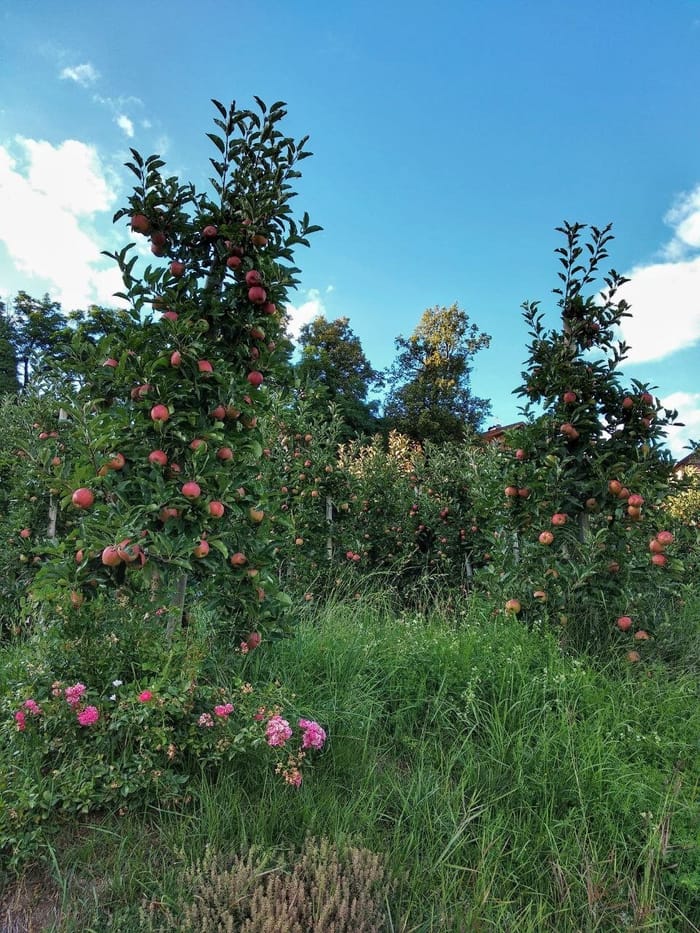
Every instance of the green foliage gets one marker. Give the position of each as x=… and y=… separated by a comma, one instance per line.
x=430, y=397
x=8, y=354
x=332, y=360
x=39, y=326
x=503, y=784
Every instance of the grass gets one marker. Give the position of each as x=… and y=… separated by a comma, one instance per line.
x=506, y=785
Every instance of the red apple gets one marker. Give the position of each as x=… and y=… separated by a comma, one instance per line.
x=201, y=549
x=224, y=453
x=210, y=232
x=110, y=557
x=175, y=358
x=627, y=403
x=253, y=640
x=269, y=308
x=615, y=487
x=117, y=462
x=216, y=508
x=511, y=491
x=655, y=546
x=257, y=295
x=83, y=498
x=111, y=362
x=641, y=635
x=177, y=268
x=624, y=623
x=256, y=515
x=635, y=500
x=204, y=366
x=255, y=378
x=160, y=413
x=233, y=262
x=546, y=537
x=191, y=490
x=25, y=533
x=140, y=223
x=559, y=518
x=219, y=413
x=665, y=538
x=169, y=315
x=253, y=277
x=513, y=606
x=659, y=559
x=158, y=457
x=520, y=454
x=238, y=559
x=569, y=397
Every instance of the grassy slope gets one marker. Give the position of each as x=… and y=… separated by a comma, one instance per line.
x=510, y=787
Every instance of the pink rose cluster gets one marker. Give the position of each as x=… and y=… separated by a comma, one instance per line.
x=314, y=736
x=277, y=732
x=74, y=694
x=88, y=716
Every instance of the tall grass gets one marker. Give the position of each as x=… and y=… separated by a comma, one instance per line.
x=507, y=785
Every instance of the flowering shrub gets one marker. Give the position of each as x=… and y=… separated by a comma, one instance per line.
x=69, y=747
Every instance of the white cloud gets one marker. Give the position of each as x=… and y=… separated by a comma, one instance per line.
x=49, y=198
x=85, y=75
x=665, y=295
x=688, y=406
x=125, y=124
x=684, y=216
x=665, y=308
x=303, y=313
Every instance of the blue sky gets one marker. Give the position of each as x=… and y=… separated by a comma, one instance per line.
x=450, y=140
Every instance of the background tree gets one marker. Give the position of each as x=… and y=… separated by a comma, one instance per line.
x=430, y=396
x=39, y=327
x=332, y=357
x=8, y=354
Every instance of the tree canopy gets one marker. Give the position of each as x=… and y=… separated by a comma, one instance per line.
x=430, y=395
x=332, y=358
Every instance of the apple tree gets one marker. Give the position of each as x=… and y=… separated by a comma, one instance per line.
x=167, y=498
x=584, y=479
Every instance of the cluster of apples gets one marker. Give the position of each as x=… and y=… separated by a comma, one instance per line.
x=634, y=500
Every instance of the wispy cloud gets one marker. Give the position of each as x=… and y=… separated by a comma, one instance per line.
x=125, y=124
x=665, y=295
x=85, y=75
x=50, y=197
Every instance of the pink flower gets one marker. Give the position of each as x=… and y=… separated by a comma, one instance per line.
x=225, y=710
x=277, y=731
x=88, y=716
x=314, y=736
x=33, y=707
x=145, y=696
x=74, y=694
x=260, y=715
x=21, y=720
x=206, y=721
x=293, y=777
